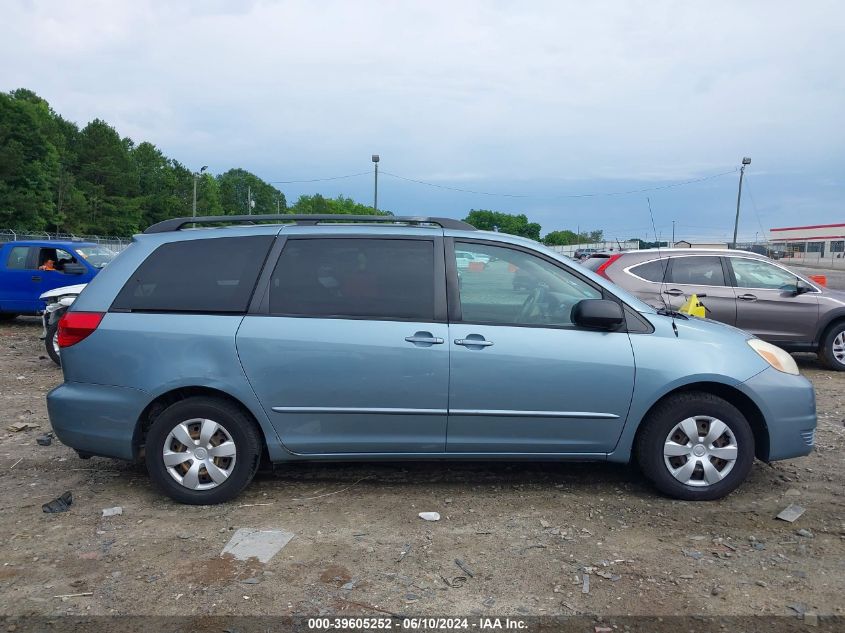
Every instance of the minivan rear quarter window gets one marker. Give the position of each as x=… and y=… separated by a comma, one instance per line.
x=205, y=275
x=356, y=278
x=655, y=270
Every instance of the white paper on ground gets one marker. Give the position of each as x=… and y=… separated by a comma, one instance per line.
x=247, y=543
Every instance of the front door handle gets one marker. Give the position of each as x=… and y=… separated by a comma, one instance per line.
x=426, y=339
x=473, y=342
x=36, y=278
x=674, y=292
x=747, y=297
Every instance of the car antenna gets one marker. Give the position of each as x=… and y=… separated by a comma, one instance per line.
x=666, y=308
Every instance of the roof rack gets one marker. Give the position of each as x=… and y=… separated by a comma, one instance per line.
x=175, y=224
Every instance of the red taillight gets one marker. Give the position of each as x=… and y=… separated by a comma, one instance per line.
x=75, y=326
x=607, y=263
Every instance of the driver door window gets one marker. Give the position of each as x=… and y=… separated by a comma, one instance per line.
x=752, y=273
x=505, y=286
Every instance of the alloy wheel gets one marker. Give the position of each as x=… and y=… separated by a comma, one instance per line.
x=838, y=348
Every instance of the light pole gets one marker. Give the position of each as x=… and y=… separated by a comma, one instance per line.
x=745, y=161
x=673, y=233
x=375, y=191
x=197, y=174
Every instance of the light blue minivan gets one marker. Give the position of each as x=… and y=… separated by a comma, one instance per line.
x=206, y=351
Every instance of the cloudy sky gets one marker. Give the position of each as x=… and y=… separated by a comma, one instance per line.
x=533, y=105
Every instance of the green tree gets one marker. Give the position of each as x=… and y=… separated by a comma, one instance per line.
x=504, y=223
x=560, y=238
x=29, y=164
x=236, y=186
x=317, y=204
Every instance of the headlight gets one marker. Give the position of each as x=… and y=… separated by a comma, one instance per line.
x=775, y=356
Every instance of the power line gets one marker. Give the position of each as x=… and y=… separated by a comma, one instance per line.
x=288, y=182
x=563, y=196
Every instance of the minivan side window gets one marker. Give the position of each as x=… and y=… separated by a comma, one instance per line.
x=753, y=273
x=17, y=257
x=214, y=275
x=698, y=271
x=355, y=278
x=516, y=288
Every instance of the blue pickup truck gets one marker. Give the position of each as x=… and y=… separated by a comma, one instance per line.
x=30, y=268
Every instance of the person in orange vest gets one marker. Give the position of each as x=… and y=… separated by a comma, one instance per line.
x=48, y=265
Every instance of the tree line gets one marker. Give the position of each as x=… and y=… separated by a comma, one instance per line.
x=57, y=177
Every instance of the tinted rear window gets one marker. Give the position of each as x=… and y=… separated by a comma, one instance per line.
x=702, y=271
x=376, y=278
x=654, y=270
x=211, y=275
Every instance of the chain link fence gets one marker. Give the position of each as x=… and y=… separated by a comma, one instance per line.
x=111, y=242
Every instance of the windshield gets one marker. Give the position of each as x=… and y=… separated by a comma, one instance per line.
x=97, y=256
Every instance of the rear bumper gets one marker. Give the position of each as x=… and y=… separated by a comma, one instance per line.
x=788, y=404
x=96, y=419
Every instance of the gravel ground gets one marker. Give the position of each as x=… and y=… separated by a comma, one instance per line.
x=526, y=532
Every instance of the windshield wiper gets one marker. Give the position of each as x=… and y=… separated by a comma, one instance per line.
x=673, y=313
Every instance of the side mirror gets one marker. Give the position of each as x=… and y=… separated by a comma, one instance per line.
x=74, y=269
x=601, y=314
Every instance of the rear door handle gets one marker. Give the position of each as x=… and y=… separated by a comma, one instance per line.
x=674, y=292
x=424, y=338
x=747, y=297
x=473, y=342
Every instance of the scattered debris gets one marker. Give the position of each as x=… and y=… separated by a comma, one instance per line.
x=405, y=550
x=545, y=524
x=430, y=516
x=329, y=494
x=463, y=566
x=16, y=463
x=456, y=582
x=691, y=553
x=247, y=543
x=59, y=504
x=811, y=618
x=603, y=629
x=804, y=532
x=790, y=513
x=111, y=512
x=798, y=607
x=609, y=576
x=528, y=547
x=585, y=587
x=349, y=586
x=17, y=427
x=251, y=581
x=44, y=440
x=488, y=602
x=75, y=595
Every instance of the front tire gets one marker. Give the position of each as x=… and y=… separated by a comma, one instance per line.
x=8, y=316
x=832, y=350
x=51, y=343
x=203, y=450
x=695, y=446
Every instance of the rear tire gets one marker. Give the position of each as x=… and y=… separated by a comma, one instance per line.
x=832, y=350
x=691, y=465
x=51, y=343
x=194, y=474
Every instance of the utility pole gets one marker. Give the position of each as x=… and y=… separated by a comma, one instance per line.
x=673, y=233
x=249, y=200
x=745, y=161
x=196, y=176
x=375, y=191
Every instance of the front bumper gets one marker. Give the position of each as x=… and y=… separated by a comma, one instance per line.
x=96, y=419
x=788, y=404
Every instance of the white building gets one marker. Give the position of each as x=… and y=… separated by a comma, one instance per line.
x=817, y=241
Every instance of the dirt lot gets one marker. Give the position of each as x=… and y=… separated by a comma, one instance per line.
x=526, y=531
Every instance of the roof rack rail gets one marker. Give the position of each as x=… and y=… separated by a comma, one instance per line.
x=175, y=224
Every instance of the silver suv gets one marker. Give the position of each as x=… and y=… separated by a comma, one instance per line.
x=739, y=288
